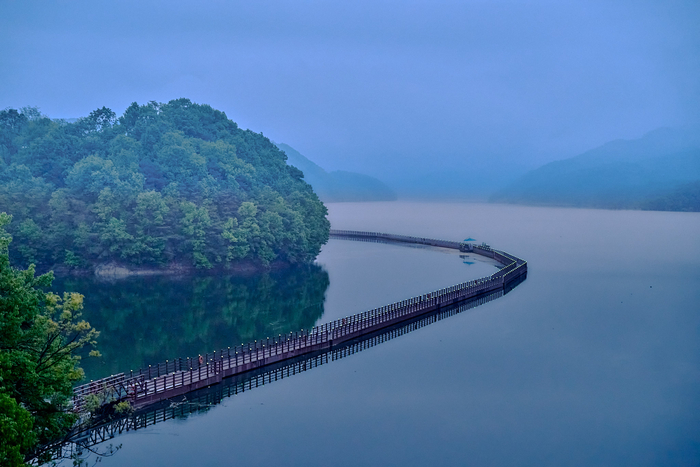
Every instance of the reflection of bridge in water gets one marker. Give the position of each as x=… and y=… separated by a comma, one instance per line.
x=233, y=370
x=203, y=399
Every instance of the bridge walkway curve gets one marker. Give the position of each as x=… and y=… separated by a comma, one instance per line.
x=176, y=377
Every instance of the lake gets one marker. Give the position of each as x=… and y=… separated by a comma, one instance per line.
x=593, y=360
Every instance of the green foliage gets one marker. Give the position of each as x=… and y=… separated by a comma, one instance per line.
x=92, y=402
x=123, y=407
x=95, y=401
x=163, y=183
x=39, y=335
x=16, y=434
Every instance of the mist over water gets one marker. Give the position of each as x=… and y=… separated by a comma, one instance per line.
x=593, y=360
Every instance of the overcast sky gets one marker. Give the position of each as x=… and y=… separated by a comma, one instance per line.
x=394, y=89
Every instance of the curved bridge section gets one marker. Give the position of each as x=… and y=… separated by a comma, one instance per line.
x=201, y=400
x=172, y=378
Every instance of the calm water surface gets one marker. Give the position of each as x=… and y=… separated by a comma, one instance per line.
x=593, y=360
x=146, y=320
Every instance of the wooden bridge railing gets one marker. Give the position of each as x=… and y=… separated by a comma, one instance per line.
x=87, y=436
x=173, y=377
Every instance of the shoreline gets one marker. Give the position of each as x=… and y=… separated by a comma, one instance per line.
x=116, y=271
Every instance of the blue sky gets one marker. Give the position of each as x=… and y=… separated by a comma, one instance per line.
x=473, y=90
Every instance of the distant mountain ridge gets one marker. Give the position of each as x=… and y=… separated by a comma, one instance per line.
x=339, y=185
x=647, y=173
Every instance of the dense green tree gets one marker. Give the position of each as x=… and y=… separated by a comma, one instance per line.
x=39, y=335
x=162, y=184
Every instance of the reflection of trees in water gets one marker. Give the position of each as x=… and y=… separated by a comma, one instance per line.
x=202, y=400
x=145, y=320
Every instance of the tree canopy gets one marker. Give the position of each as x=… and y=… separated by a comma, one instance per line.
x=176, y=183
x=39, y=335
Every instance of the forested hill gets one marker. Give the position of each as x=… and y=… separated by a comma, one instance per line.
x=164, y=185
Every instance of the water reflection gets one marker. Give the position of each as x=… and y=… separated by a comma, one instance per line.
x=150, y=319
x=468, y=260
x=202, y=400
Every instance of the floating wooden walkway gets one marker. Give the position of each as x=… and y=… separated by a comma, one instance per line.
x=173, y=378
x=203, y=399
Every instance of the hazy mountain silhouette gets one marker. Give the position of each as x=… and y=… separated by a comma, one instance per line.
x=647, y=173
x=338, y=185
